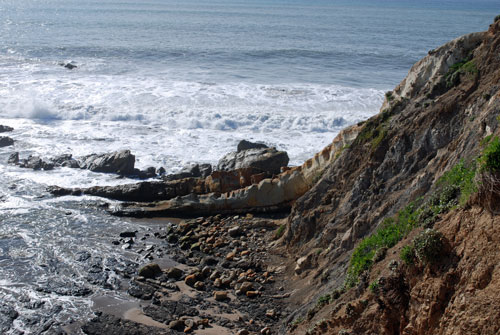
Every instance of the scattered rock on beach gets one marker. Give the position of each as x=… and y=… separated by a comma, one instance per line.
x=174, y=273
x=220, y=295
x=150, y=270
x=190, y=280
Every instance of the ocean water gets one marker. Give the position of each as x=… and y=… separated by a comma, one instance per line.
x=179, y=82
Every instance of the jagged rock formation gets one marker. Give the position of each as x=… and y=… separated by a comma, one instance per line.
x=236, y=191
x=437, y=116
x=119, y=162
x=252, y=194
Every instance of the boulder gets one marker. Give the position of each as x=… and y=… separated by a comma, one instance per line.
x=262, y=159
x=303, y=263
x=245, y=145
x=4, y=129
x=5, y=141
x=66, y=160
x=191, y=171
x=149, y=172
x=150, y=270
x=121, y=162
x=235, y=231
x=176, y=325
x=174, y=273
x=69, y=65
x=35, y=163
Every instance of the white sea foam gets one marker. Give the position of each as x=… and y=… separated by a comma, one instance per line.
x=167, y=122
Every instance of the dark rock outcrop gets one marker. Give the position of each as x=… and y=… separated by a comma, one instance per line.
x=69, y=65
x=66, y=160
x=33, y=162
x=6, y=141
x=191, y=171
x=146, y=191
x=267, y=160
x=121, y=162
x=4, y=129
x=13, y=158
x=245, y=145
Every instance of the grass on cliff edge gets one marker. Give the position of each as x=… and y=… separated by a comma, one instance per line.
x=452, y=189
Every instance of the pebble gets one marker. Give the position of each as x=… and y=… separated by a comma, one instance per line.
x=234, y=232
x=265, y=331
x=245, y=287
x=252, y=294
x=220, y=295
x=199, y=285
x=190, y=280
x=230, y=255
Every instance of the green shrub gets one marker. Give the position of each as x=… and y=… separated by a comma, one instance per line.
x=428, y=246
x=279, y=232
x=407, y=254
x=461, y=176
x=490, y=158
x=485, y=141
x=496, y=18
x=389, y=96
x=324, y=300
x=452, y=189
x=390, y=232
x=466, y=66
x=374, y=286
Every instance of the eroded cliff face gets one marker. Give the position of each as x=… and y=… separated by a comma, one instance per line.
x=436, y=117
x=400, y=152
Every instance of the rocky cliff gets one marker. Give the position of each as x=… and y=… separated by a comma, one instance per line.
x=442, y=115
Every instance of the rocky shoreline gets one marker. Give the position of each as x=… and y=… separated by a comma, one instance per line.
x=226, y=281
x=218, y=274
